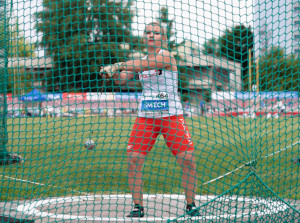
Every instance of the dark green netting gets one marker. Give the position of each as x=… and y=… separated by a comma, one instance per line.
x=234, y=67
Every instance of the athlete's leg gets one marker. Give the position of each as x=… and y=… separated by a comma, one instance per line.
x=135, y=175
x=141, y=141
x=189, y=174
x=179, y=141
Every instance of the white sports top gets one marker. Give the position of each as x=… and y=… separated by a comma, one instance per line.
x=160, y=93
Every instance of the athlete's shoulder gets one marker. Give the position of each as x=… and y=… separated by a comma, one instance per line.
x=166, y=55
x=164, y=52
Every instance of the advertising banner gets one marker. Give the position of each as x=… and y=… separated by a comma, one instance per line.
x=99, y=97
x=127, y=96
x=254, y=95
x=55, y=96
x=74, y=96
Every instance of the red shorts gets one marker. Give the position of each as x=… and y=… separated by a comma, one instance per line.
x=146, y=130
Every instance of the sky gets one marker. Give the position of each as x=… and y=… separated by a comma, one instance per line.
x=276, y=24
x=196, y=20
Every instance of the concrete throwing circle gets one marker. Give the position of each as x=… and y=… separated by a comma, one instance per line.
x=158, y=207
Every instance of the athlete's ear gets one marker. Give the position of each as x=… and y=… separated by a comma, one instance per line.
x=144, y=41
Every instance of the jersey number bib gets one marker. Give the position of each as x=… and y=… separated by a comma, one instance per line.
x=155, y=102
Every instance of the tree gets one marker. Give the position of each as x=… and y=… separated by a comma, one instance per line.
x=81, y=36
x=18, y=80
x=234, y=44
x=18, y=45
x=211, y=47
x=278, y=71
x=168, y=24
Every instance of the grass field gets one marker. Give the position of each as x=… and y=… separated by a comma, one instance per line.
x=57, y=164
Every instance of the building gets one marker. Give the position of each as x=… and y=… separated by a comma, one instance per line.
x=276, y=23
x=37, y=67
x=296, y=27
x=207, y=72
x=204, y=72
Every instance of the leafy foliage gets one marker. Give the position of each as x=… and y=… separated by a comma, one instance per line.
x=278, y=71
x=234, y=44
x=14, y=42
x=14, y=45
x=18, y=45
x=211, y=46
x=19, y=79
x=164, y=19
x=81, y=36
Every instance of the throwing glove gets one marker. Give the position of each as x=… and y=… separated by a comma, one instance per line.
x=108, y=71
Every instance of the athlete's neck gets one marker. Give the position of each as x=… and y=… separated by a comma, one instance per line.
x=153, y=50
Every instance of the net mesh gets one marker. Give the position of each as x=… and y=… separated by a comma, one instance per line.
x=3, y=89
x=234, y=67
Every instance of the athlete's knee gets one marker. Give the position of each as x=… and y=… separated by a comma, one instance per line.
x=187, y=160
x=135, y=161
x=189, y=163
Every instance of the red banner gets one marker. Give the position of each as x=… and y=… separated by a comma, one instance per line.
x=74, y=96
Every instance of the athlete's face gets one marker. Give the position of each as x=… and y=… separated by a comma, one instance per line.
x=154, y=36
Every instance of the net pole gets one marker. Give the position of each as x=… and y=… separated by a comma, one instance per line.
x=3, y=83
x=257, y=75
x=250, y=71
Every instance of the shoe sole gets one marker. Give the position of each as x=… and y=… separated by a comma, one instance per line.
x=135, y=216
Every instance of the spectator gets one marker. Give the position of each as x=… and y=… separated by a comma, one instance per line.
x=202, y=108
x=280, y=107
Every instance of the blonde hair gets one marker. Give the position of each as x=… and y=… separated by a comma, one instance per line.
x=162, y=31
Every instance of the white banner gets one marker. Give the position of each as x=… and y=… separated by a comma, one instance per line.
x=100, y=97
x=220, y=95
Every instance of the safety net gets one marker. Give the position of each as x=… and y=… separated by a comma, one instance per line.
x=149, y=111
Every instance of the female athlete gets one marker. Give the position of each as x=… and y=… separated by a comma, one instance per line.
x=160, y=112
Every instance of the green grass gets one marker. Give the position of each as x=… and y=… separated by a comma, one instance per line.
x=55, y=156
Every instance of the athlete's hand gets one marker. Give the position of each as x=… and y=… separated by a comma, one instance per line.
x=108, y=71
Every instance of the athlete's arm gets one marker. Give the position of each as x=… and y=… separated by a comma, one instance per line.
x=115, y=71
x=123, y=77
x=160, y=61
